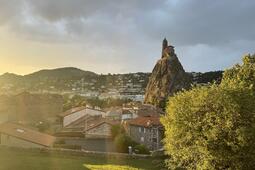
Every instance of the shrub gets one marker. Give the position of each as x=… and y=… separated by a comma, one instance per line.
x=141, y=149
x=122, y=142
x=43, y=126
x=213, y=127
x=159, y=154
x=116, y=130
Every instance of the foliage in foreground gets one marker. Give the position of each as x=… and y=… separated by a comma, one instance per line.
x=213, y=127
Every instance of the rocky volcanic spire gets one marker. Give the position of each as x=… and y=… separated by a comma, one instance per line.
x=168, y=77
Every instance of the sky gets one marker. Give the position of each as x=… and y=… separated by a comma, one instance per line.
x=120, y=36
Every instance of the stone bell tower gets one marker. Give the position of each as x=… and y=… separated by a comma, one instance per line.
x=164, y=46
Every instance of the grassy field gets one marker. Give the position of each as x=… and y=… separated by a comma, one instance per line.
x=24, y=160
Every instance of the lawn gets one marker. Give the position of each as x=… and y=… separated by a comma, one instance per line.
x=24, y=160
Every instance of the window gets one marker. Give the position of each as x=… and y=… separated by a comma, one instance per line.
x=144, y=130
x=140, y=129
x=142, y=139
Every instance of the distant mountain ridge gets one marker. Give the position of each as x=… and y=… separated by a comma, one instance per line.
x=58, y=73
x=64, y=72
x=10, y=76
x=61, y=73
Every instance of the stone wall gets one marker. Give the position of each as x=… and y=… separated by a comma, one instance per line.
x=93, y=144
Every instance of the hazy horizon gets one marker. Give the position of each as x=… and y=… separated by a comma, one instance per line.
x=123, y=36
x=92, y=71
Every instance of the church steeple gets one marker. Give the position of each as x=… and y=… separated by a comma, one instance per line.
x=164, y=45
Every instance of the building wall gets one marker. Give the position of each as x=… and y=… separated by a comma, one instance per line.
x=101, y=130
x=7, y=140
x=151, y=137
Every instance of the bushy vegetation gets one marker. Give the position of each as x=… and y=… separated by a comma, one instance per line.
x=116, y=130
x=122, y=142
x=241, y=76
x=43, y=126
x=141, y=149
x=213, y=127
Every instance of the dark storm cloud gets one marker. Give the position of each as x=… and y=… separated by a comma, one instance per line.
x=55, y=10
x=9, y=9
x=209, y=22
x=201, y=30
x=186, y=22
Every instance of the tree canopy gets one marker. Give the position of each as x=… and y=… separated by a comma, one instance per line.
x=213, y=127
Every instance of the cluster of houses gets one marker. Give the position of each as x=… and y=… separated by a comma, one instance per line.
x=141, y=123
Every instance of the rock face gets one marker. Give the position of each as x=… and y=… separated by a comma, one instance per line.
x=168, y=77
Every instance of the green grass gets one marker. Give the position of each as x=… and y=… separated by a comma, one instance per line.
x=110, y=167
x=25, y=160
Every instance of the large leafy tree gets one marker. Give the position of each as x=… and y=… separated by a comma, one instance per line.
x=242, y=76
x=213, y=127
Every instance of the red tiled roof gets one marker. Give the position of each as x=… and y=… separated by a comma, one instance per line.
x=145, y=121
x=27, y=134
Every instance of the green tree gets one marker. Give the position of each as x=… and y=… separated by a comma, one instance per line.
x=141, y=149
x=213, y=127
x=117, y=130
x=122, y=142
x=242, y=76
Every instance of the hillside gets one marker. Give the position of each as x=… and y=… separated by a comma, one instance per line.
x=66, y=73
x=74, y=80
x=26, y=107
x=10, y=78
